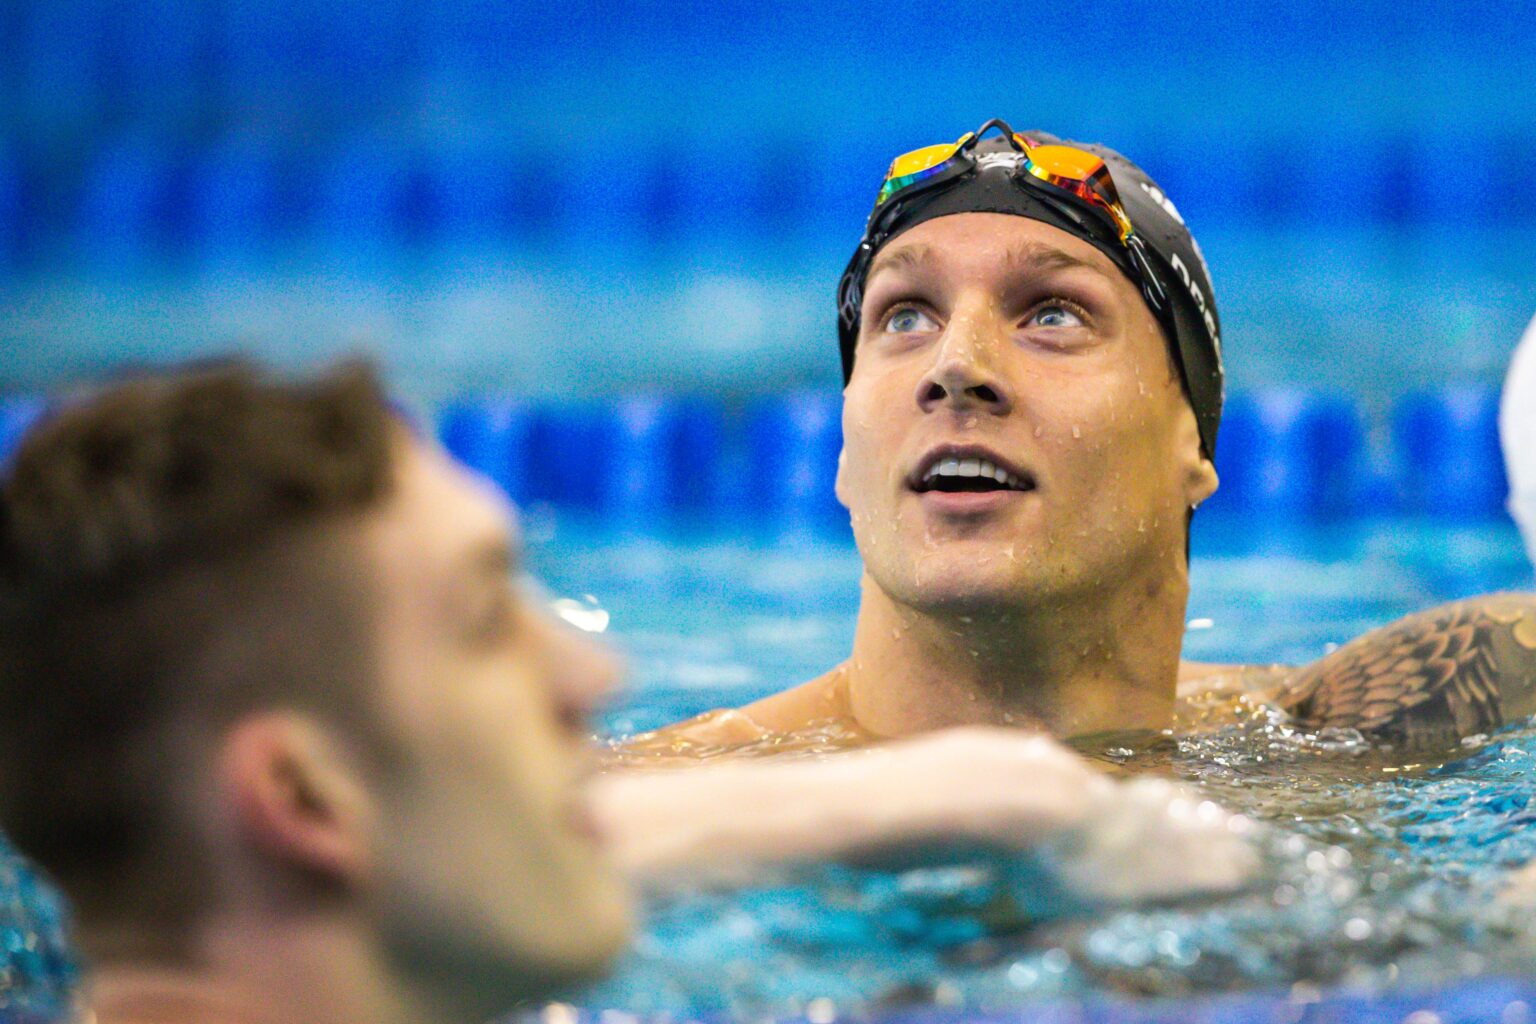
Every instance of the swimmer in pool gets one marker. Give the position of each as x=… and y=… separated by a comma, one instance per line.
x=1033, y=385
x=275, y=722
x=278, y=716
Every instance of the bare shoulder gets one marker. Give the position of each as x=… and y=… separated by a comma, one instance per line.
x=822, y=699
x=725, y=729
x=701, y=736
x=1207, y=679
x=1456, y=670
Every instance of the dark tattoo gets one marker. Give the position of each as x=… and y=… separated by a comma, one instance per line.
x=1430, y=679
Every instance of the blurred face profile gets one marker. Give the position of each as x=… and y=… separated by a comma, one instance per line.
x=1014, y=427
x=490, y=868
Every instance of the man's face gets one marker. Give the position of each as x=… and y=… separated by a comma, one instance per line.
x=996, y=346
x=490, y=864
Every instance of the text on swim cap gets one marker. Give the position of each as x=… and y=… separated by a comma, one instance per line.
x=1199, y=296
x=1157, y=196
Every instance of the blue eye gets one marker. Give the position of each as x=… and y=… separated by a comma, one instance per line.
x=1056, y=316
x=908, y=320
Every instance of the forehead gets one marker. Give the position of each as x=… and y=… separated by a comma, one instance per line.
x=438, y=512
x=991, y=245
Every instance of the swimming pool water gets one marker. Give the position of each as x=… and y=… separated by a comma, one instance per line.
x=708, y=618
x=1380, y=880
x=1381, y=872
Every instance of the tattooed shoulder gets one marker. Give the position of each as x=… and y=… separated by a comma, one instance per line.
x=1453, y=671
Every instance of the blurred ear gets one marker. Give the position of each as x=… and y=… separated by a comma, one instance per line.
x=297, y=798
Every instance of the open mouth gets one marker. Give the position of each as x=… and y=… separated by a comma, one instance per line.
x=953, y=474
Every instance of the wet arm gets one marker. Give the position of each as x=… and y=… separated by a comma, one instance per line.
x=720, y=816
x=992, y=787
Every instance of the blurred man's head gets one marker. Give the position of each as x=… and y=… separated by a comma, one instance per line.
x=263, y=656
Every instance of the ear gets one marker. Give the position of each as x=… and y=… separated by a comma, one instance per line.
x=1199, y=472
x=1200, y=482
x=296, y=798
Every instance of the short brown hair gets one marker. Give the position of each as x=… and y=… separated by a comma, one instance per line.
x=171, y=554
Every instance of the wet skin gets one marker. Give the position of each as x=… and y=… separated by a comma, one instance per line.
x=1055, y=598
x=491, y=851
x=1420, y=683
x=458, y=868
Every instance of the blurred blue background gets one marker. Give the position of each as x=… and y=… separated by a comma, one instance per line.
x=581, y=198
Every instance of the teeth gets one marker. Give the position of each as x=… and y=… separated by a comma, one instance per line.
x=973, y=467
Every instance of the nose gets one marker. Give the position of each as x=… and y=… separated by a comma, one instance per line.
x=964, y=374
x=582, y=671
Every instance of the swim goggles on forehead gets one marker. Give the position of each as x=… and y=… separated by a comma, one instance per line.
x=1071, y=181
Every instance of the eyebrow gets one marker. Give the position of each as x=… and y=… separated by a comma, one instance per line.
x=1039, y=257
x=910, y=257
x=1032, y=257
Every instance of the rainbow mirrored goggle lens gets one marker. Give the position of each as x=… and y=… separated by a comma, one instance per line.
x=919, y=165
x=1079, y=172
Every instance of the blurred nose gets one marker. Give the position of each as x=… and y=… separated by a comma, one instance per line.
x=965, y=374
x=583, y=671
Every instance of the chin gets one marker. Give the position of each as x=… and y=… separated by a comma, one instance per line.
x=970, y=575
x=574, y=947
x=593, y=927
x=495, y=958
x=953, y=595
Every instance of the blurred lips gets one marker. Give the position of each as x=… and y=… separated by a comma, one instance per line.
x=583, y=822
x=579, y=815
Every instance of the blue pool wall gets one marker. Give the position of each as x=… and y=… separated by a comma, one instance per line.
x=1283, y=454
x=232, y=129
x=589, y=198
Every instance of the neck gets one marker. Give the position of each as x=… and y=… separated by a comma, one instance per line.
x=1101, y=663
x=265, y=971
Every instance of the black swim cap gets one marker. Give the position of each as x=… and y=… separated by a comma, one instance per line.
x=1189, y=318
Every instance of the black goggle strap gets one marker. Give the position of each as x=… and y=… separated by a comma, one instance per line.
x=850, y=297
x=1151, y=283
